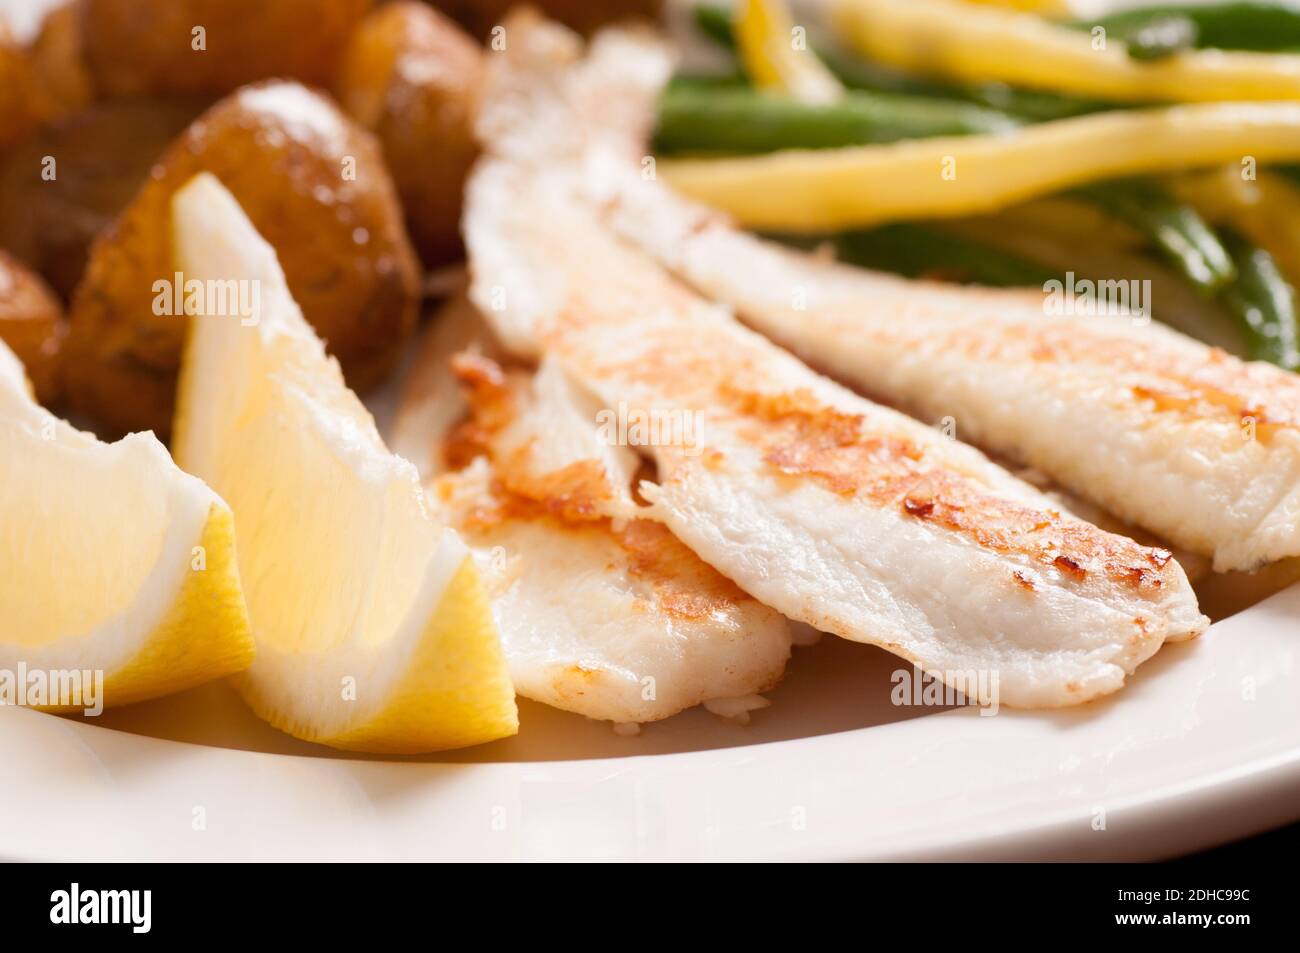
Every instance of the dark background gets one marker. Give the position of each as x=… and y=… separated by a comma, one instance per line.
x=1273, y=846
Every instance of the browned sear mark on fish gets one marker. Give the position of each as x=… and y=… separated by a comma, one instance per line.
x=686, y=586
x=574, y=493
x=801, y=408
x=683, y=585
x=572, y=681
x=1213, y=386
x=487, y=389
x=1194, y=402
x=918, y=507
x=1023, y=580
x=491, y=408
x=803, y=436
x=1070, y=567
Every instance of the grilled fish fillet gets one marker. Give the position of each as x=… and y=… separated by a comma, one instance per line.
x=600, y=612
x=840, y=513
x=1184, y=440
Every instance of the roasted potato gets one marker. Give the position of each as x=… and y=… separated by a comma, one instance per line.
x=18, y=99
x=59, y=64
x=410, y=75
x=315, y=185
x=196, y=47
x=32, y=324
x=44, y=80
x=62, y=186
x=480, y=16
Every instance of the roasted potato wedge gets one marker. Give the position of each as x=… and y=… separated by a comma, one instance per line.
x=196, y=47
x=62, y=186
x=410, y=75
x=32, y=324
x=315, y=185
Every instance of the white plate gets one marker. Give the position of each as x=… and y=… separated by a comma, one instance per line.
x=1203, y=746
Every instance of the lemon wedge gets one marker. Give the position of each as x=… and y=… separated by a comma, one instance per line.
x=118, y=567
x=373, y=631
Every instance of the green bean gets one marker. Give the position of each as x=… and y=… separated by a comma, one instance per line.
x=857, y=73
x=1149, y=36
x=1264, y=304
x=1179, y=233
x=721, y=117
x=714, y=21
x=928, y=252
x=1160, y=37
x=1232, y=25
x=725, y=119
x=1031, y=105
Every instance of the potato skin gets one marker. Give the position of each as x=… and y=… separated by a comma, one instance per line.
x=44, y=80
x=102, y=155
x=411, y=76
x=59, y=65
x=32, y=324
x=19, y=106
x=135, y=47
x=315, y=186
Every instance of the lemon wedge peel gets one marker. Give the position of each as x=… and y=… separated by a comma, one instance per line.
x=407, y=658
x=185, y=624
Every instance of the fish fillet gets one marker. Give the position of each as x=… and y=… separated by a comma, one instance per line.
x=840, y=513
x=600, y=612
x=1168, y=434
